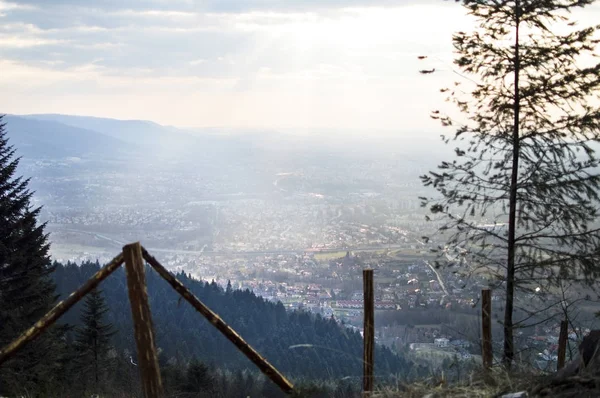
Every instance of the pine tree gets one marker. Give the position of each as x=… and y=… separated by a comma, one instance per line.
x=92, y=340
x=26, y=289
x=199, y=378
x=521, y=198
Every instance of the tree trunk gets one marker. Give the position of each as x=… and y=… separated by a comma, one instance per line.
x=512, y=215
x=96, y=364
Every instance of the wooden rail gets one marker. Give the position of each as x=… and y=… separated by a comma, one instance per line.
x=269, y=370
x=47, y=320
x=133, y=255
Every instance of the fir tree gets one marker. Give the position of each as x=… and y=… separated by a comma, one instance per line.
x=199, y=379
x=521, y=198
x=92, y=340
x=26, y=288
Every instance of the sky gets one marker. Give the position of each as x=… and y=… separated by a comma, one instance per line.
x=295, y=64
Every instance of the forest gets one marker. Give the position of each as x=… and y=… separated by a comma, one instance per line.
x=303, y=346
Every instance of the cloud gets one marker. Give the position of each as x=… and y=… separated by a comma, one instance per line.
x=8, y=6
x=229, y=6
x=20, y=42
x=246, y=63
x=286, y=62
x=99, y=79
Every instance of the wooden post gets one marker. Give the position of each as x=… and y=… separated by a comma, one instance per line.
x=47, y=320
x=142, y=321
x=486, y=328
x=269, y=370
x=562, y=344
x=368, y=331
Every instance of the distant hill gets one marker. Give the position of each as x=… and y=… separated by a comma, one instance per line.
x=239, y=159
x=327, y=349
x=366, y=144
x=141, y=135
x=133, y=131
x=43, y=139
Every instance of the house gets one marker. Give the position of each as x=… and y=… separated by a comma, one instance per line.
x=385, y=305
x=353, y=304
x=461, y=344
x=357, y=296
x=441, y=342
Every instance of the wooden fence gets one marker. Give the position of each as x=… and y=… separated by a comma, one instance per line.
x=486, y=334
x=133, y=255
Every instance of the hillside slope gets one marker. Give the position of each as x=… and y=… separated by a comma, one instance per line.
x=328, y=350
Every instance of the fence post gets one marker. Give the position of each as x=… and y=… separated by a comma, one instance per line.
x=562, y=344
x=368, y=331
x=486, y=328
x=142, y=321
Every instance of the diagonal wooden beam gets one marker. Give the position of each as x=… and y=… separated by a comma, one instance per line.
x=47, y=320
x=265, y=367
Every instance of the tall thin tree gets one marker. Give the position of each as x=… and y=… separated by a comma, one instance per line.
x=26, y=289
x=521, y=197
x=92, y=340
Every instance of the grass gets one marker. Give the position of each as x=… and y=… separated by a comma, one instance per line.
x=494, y=383
x=330, y=256
x=480, y=384
x=402, y=254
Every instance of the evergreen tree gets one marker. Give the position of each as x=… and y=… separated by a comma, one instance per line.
x=92, y=340
x=26, y=288
x=199, y=380
x=173, y=377
x=521, y=198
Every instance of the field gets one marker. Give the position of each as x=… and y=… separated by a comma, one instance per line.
x=329, y=255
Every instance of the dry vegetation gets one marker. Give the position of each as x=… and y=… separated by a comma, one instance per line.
x=481, y=385
x=497, y=383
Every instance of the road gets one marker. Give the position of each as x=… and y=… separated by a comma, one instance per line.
x=439, y=278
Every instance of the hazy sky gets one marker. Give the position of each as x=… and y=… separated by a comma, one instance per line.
x=238, y=63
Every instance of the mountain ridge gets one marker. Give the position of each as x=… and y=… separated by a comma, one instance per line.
x=51, y=139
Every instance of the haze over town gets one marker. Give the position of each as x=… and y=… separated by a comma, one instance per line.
x=275, y=145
